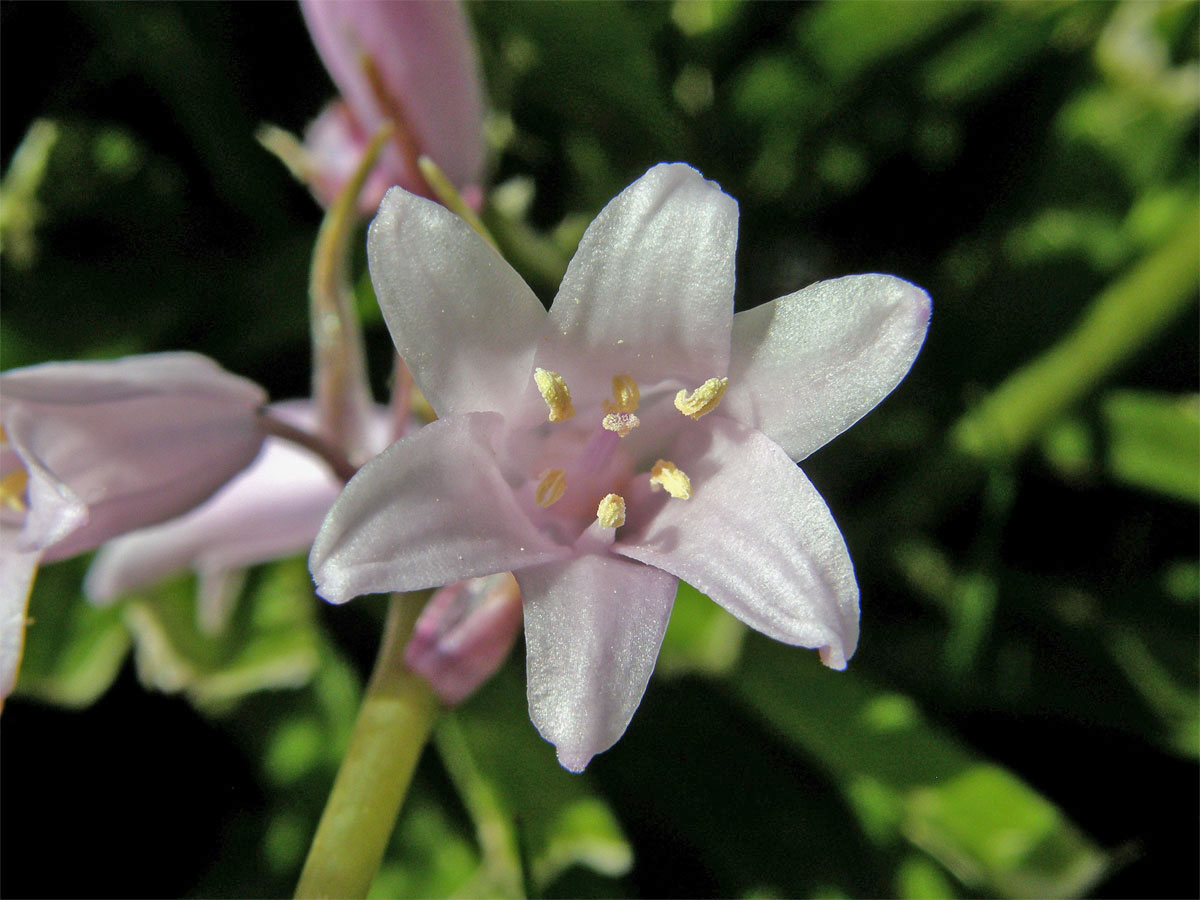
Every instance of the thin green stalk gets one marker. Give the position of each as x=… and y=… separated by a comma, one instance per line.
x=500, y=873
x=339, y=367
x=1122, y=320
x=395, y=721
x=448, y=194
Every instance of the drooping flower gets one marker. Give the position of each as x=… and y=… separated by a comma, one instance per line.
x=412, y=64
x=271, y=510
x=636, y=434
x=92, y=450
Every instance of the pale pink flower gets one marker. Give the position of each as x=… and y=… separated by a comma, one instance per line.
x=413, y=64
x=271, y=510
x=91, y=450
x=637, y=434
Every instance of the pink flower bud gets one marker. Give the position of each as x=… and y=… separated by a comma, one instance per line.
x=464, y=634
x=413, y=64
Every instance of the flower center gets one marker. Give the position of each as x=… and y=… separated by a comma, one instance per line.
x=618, y=420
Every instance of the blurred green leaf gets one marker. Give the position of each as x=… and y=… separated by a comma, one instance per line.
x=73, y=650
x=699, y=17
x=272, y=641
x=920, y=878
x=1125, y=317
x=847, y=39
x=1177, y=706
x=500, y=871
x=701, y=636
x=1154, y=442
x=560, y=821
x=905, y=777
x=989, y=55
x=20, y=210
x=429, y=854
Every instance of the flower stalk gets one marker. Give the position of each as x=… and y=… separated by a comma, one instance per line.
x=339, y=368
x=395, y=721
x=331, y=455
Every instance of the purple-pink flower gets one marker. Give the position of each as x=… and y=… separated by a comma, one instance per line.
x=270, y=510
x=636, y=434
x=409, y=63
x=91, y=450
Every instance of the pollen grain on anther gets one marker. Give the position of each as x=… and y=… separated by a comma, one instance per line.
x=669, y=477
x=611, y=511
x=703, y=399
x=620, y=422
x=626, y=396
x=551, y=485
x=555, y=392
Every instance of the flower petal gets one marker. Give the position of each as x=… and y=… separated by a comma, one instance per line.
x=425, y=71
x=116, y=445
x=336, y=145
x=431, y=509
x=649, y=292
x=593, y=628
x=272, y=509
x=807, y=366
x=17, y=571
x=758, y=539
x=462, y=320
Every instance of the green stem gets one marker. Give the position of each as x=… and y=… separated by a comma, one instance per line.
x=1122, y=320
x=448, y=194
x=395, y=721
x=500, y=872
x=339, y=368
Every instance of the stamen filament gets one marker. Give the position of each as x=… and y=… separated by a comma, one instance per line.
x=703, y=399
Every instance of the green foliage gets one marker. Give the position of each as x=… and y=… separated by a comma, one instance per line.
x=534, y=820
x=73, y=650
x=271, y=642
x=1024, y=707
x=905, y=779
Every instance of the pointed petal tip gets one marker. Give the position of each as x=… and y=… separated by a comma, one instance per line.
x=330, y=583
x=833, y=656
x=573, y=760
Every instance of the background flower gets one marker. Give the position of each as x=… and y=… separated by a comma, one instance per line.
x=411, y=63
x=92, y=450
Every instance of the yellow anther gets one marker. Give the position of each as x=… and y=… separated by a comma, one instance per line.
x=625, y=396
x=620, y=422
x=669, y=477
x=550, y=488
x=556, y=394
x=611, y=511
x=703, y=399
x=12, y=490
